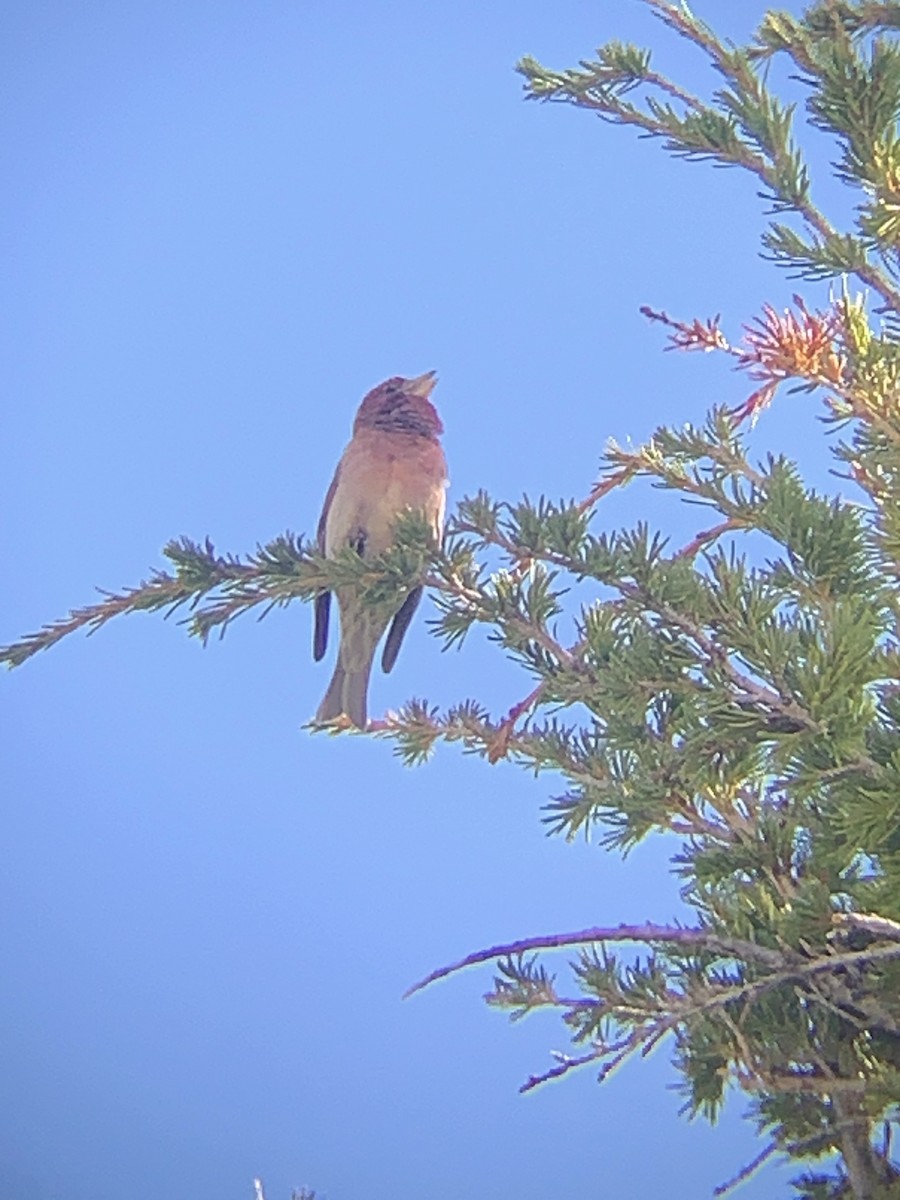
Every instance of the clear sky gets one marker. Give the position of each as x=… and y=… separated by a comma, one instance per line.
x=222, y=223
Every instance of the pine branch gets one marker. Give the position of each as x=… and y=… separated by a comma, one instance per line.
x=747, y=127
x=648, y=933
x=198, y=572
x=219, y=588
x=852, y=1122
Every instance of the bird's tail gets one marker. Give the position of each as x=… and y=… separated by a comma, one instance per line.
x=346, y=696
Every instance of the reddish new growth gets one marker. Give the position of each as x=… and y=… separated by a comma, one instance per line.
x=777, y=346
x=790, y=345
x=698, y=335
x=794, y=344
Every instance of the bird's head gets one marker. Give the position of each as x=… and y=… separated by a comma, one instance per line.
x=401, y=406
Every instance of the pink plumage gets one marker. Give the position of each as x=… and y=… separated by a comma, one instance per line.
x=394, y=463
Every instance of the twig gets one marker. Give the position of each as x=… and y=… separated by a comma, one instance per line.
x=499, y=746
x=871, y=923
x=706, y=536
x=704, y=938
x=745, y=1172
x=562, y=1068
x=600, y=489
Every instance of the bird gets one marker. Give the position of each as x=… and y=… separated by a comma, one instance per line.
x=393, y=463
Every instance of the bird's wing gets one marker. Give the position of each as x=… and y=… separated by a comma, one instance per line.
x=320, y=632
x=323, y=600
x=406, y=611
x=399, y=626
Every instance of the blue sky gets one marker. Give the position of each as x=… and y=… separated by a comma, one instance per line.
x=223, y=223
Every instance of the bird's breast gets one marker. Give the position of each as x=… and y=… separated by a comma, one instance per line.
x=380, y=476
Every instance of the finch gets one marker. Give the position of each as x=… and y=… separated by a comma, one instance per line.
x=393, y=464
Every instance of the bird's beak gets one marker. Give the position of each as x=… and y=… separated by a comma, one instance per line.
x=422, y=385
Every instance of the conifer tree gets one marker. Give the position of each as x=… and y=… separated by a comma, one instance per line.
x=747, y=705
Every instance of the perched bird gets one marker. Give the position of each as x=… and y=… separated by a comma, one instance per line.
x=392, y=464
